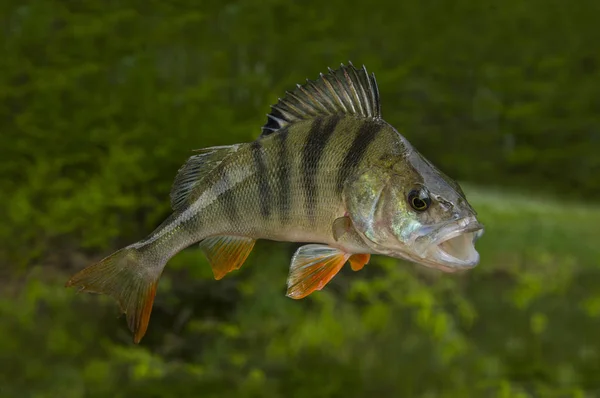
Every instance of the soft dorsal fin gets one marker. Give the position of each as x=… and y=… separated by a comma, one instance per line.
x=195, y=169
x=345, y=90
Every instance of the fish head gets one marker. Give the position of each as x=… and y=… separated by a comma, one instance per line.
x=411, y=210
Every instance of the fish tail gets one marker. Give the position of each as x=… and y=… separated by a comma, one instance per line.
x=125, y=276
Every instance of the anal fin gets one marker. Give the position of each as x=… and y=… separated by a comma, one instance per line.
x=226, y=253
x=313, y=266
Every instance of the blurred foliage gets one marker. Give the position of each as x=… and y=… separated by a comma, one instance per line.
x=102, y=101
x=523, y=324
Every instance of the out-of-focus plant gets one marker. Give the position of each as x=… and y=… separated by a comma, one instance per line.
x=101, y=102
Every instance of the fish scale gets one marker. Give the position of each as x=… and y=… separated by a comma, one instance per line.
x=327, y=170
x=302, y=187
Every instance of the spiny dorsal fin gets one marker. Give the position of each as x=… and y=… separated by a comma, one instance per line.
x=344, y=90
x=195, y=169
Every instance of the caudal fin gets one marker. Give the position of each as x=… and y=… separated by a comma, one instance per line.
x=123, y=277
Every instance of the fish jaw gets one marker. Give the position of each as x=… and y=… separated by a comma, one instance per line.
x=449, y=247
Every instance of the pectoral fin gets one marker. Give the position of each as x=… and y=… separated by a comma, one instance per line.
x=358, y=261
x=340, y=226
x=312, y=268
x=226, y=253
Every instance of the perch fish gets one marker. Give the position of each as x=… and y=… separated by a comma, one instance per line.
x=327, y=171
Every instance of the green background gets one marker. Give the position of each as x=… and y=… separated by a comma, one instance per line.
x=102, y=101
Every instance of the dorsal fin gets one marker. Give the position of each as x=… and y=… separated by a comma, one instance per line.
x=195, y=169
x=345, y=90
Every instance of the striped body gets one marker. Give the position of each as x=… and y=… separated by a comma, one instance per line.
x=285, y=186
x=328, y=170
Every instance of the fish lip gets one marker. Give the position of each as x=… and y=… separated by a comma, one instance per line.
x=428, y=244
x=454, y=229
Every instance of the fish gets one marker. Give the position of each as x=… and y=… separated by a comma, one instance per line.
x=326, y=171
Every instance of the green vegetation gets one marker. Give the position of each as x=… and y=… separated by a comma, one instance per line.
x=101, y=102
x=525, y=320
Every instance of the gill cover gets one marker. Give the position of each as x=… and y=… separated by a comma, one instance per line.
x=363, y=197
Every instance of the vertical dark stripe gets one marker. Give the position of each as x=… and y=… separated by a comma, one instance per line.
x=320, y=132
x=227, y=197
x=264, y=189
x=283, y=175
x=365, y=136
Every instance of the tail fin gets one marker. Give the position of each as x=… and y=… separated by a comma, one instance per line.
x=124, y=277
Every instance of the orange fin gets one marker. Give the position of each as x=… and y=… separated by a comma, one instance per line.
x=226, y=253
x=124, y=277
x=358, y=261
x=312, y=268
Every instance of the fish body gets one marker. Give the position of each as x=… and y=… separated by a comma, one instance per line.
x=327, y=170
x=272, y=190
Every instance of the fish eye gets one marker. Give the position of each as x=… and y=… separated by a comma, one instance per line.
x=419, y=200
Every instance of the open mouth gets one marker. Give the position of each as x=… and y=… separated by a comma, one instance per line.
x=453, y=246
x=460, y=249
